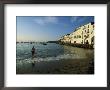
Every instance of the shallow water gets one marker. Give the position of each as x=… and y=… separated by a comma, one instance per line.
x=51, y=51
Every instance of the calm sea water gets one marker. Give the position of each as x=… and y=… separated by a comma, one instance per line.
x=51, y=51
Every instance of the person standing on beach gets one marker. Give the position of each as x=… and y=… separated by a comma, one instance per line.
x=33, y=51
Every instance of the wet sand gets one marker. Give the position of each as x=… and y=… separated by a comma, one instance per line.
x=71, y=66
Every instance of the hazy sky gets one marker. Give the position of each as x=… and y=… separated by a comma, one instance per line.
x=48, y=28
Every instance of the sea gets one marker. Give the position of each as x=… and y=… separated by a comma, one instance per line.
x=48, y=52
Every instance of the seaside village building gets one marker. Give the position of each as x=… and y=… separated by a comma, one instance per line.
x=82, y=36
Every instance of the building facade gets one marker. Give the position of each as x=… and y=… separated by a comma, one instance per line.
x=83, y=35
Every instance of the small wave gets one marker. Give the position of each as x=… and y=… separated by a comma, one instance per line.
x=60, y=57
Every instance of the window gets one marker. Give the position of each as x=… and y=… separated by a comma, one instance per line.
x=87, y=42
x=88, y=31
x=88, y=36
x=79, y=36
x=92, y=40
x=82, y=42
x=74, y=41
x=91, y=32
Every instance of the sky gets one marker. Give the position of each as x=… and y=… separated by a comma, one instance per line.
x=48, y=28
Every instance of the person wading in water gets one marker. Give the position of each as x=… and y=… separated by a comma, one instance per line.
x=33, y=52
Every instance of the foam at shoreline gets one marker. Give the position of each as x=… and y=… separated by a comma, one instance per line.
x=60, y=57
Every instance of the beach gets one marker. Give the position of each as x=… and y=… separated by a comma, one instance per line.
x=79, y=66
x=54, y=59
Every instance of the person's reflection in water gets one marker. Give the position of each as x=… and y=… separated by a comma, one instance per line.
x=33, y=64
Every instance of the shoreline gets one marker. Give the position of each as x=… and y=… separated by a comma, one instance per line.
x=71, y=66
x=85, y=46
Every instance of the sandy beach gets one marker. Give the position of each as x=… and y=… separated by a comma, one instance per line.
x=72, y=66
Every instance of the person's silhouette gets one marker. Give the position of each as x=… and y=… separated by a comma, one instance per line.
x=33, y=51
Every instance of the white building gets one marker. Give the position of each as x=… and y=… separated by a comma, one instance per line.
x=82, y=35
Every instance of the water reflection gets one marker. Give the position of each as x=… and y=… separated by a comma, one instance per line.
x=79, y=52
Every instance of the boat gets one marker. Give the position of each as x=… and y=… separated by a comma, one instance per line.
x=44, y=43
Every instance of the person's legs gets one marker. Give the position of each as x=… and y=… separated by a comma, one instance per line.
x=32, y=54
